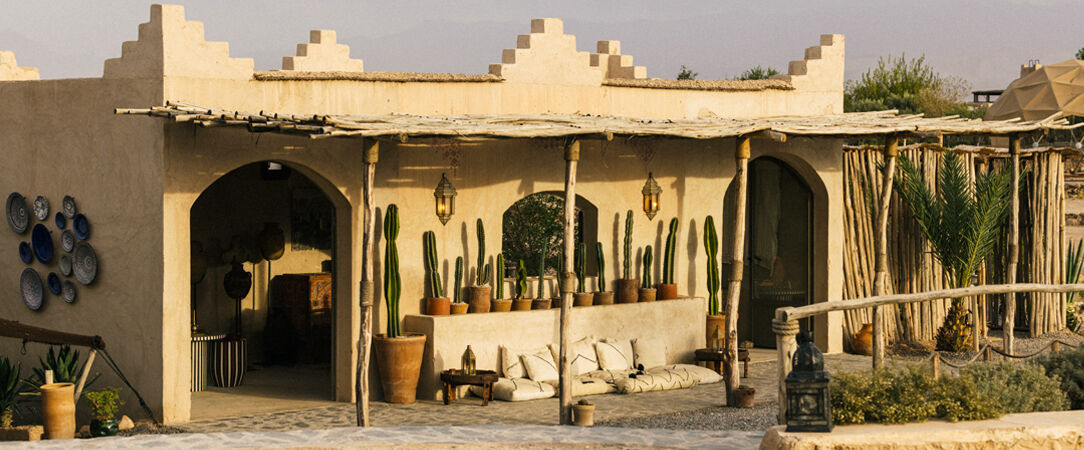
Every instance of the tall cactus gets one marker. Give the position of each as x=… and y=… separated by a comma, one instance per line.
x=668, y=257
x=560, y=276
x=458, y=294
x=628, y=246
x=436, y=287
x=601, y=267
x=581, y=267
x=500, y=276
x=393, y=284
x=711, y=246
x=542, y=268
x=521, y=280
x=646, y=281
x=483, y=267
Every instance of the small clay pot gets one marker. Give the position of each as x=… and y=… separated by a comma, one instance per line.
x=521, y=304
x=863, y=340
x=743, y=398
x=647, y=294
x=627, y=290
x=583, y=299
x=478, y=299
x=438, y=306
x=583, y=415
x=604, y=298
x=540, y=303
x=460, y=308
x=103, y=428
x=501, y=305
x=667, y=291
x=555, y=302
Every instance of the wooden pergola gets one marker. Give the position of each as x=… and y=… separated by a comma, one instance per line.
x=887, y=125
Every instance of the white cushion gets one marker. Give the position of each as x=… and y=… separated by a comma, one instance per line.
x=614, y=354
x=703, y=374
x=657, y=380
x=610, y=376
x=584, y=385
x=540, y=365
x=582, y=357
x=649, y=353
x=517, y=390
x=512, y=365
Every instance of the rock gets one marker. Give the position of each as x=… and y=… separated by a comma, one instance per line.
x=22, y=433
x=125, y=423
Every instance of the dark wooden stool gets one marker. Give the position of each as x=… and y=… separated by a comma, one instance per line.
x=716, y=357
x=453, y=378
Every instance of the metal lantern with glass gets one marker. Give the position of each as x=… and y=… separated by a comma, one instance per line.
x=809, y=407
x=651, y=196
x=445, y=199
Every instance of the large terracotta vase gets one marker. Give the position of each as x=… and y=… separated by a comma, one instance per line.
x=863, y=340
x=501, y=305
x=628, y=291
x=58, y=410
x=438, y=306
x=715, y=321
x=583, y=299
x=604, y=298
x=666, y=291
x=399, y=361
x=478, y=299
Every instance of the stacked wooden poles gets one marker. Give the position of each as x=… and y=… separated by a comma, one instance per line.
x=737, y=256
x=361, y=382
x=1014, y=240
x=572, y=156
x=881, y=280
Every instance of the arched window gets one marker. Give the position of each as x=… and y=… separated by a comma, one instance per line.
x=537, y=221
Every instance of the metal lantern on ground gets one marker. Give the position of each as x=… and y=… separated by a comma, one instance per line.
x=651, y=196
x=809, y=408
x=445, y=199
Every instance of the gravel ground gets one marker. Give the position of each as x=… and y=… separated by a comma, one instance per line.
x=758, y=418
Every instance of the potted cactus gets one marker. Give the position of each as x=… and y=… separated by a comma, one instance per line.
x=436, y=304
x=458, y=305
x=583, y=413
x=627, y=286
x=479, y=292
x=103, y=406
x=647, y=293
x=667, y=289
x=743, y=397
x=582, y=297
x=540, y=301
x=711, y=247
x=398, y=354
x=521, y=302
x=500, y=304
x=602, y=296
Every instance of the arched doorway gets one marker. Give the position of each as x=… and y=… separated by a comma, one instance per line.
x=537, y=220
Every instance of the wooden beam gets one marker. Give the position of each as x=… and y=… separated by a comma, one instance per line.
x=572, y=157
x=785, y=345
x=372, y=155
x=1014, y=243
x=880, y=281
x=83, y=376
x=742, y=152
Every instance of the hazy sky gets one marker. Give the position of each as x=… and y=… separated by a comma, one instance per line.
x=982, y=41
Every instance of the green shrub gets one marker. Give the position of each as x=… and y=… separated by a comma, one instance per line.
x=1017, y=388
x=959, y=398
x=851, y=397
x=885, y=396
x=104, y=404
x=1068, y=367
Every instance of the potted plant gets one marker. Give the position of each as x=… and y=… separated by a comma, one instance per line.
x=540, y=301
x=436, y=304
x=743, y=397
x=458, y=306
x=582, y=298
x=667, y=290
x=715, y=321
x=627, y=286
x=583, y=413
x=602, y=296
x=11, y=388
x=479, y=292
x=521, y=302
x=103, y=406
x=398, y=354
x=500, y=304
x=647, y=293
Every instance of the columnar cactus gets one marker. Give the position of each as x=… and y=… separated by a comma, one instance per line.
x=436, y=287
x=393, y=284
x=668, y=257
x=601, y=267
x=542, y=268
x=581, y=267
x=483, y=267
x=521, y=280
x=646, y=282
x=628, y=246
x=711, y=246
x=458, y=294
x=499, y=279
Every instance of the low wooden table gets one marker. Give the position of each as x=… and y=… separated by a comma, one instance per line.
x=453, y=378
x=716, y=357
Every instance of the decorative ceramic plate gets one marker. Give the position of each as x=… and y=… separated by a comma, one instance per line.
x=67, y=240
x=84, y=263
x=65, y=265
x=41, y=207
x=81, y=226
x=60, y=220
x=69, y=291
x=25, y=253
x=53, y=281
x=18, y=217
x=43, y=244
x=68, y=206
x=32, y=289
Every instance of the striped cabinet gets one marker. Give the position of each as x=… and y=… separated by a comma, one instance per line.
x=228, y=361
x=201, y=355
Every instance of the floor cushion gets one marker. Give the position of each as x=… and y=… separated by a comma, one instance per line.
x=609, y=376
x=583, y=385
x=704, y=375
x=656, y=380
x=649, y=353
x=614, y=354
x=512, y=364
x=517, y=390
x=582, y=357
x=540, y=365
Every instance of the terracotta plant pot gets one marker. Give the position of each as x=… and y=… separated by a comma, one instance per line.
x=647, y=295
x=863, y=340
x=583, y=299
x=540, y=303
x=459, y=308
x=521, y=304
x=715, y=321
x=628, y=291
x=438, y=306
x=501, y=305
x=583, y=415
x=604, y=298
x=743, y=398
x=667, y=291
x=555, y=302
x=478, y=299
x=58, y=410
x=400, y=363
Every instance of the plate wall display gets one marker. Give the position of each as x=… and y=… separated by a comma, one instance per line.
x=65, y=265
x=60, y=220
x=68, y=289
x=43, y=244
x=18, y=216
x=33, y=291
x=68, y=206
x=41, y=208
x=67, y=240
x=81, y=226
x=53, y=281
x=25, y=253
x=84, y=263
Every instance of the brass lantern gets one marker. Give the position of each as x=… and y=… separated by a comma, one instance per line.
x=651, y=196
x=445, y=197
x=809, y=407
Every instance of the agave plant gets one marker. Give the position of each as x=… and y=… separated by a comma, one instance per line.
x=65, y=366
x=11, y=386
x=961, y=223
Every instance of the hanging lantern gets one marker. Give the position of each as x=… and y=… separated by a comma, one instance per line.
x=651, y=196
x=809, y=407
x=445, y=197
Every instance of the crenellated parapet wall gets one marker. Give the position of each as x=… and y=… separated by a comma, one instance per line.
x=614, y=64
x=822, y=67
x=547, y=56
x=322, y=54
x=10, y=70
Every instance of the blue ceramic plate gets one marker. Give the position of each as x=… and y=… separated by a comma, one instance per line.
x=43, y=243
x=81, y=227
x=41, y=207
x=68, y=206
x=69, y=291
x=65, y=265
x=25, y=253
x=84, y=263
x=67, y=240
x=32, y=289
x=60, y=220
x=54, y=283
x=18, y=217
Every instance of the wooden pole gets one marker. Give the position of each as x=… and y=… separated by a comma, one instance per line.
x=572, y=156
x=786, y=345
x=880, y=281
x=361, y=386
x=1014, y=242
x=737, y=256
x=935, y=364
x=83, y=376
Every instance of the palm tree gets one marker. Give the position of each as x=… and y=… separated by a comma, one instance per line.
x=961, y=223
